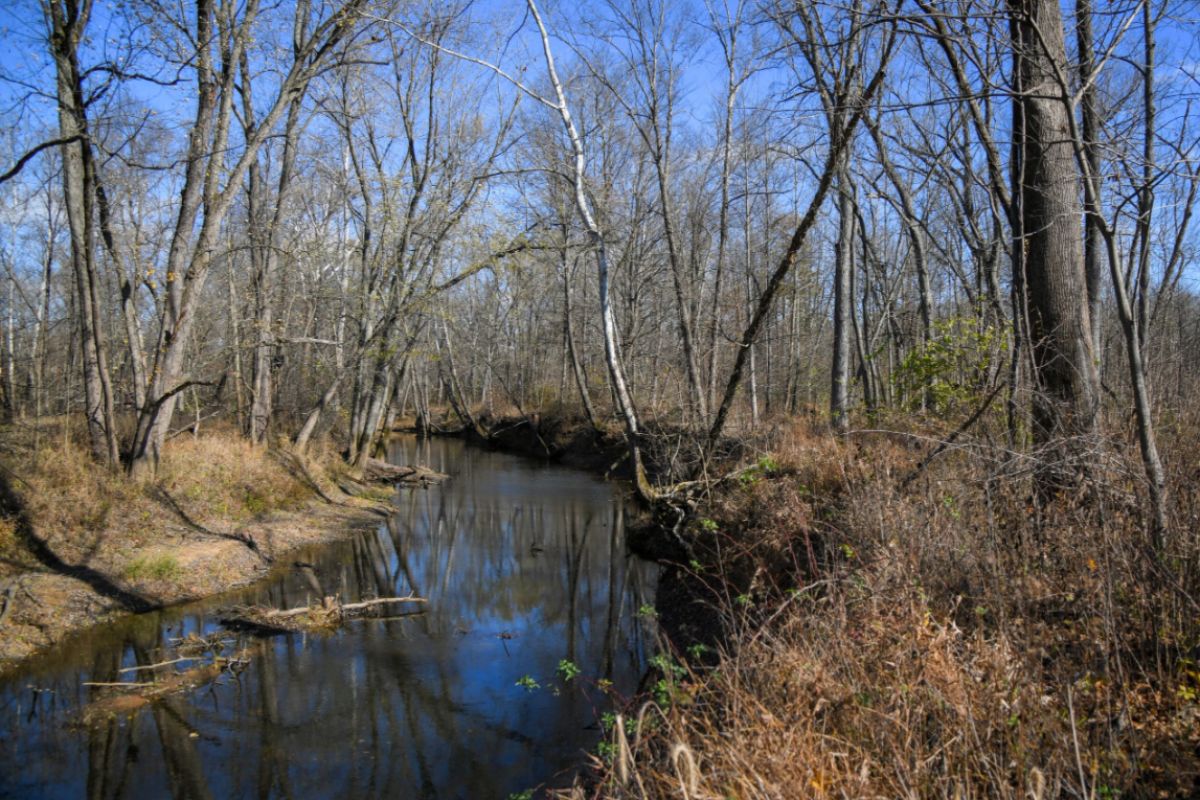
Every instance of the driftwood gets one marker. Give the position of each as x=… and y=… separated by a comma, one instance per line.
x=329, y=614
x=123, y=698
x=378, y=471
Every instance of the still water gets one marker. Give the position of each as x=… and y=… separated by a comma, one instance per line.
x=524, y=565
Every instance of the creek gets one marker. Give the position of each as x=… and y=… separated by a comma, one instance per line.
x=524, y=567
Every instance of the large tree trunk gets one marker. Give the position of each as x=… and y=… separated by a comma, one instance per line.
x=1047, y=183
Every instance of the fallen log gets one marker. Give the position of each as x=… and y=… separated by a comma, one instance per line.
x=378, y=471
x=328, y=615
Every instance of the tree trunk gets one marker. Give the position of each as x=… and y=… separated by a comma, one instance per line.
x=616, y=370
x=267, y=264
x=1093, y=241
x=127, y=285
x=67, y=22
x=10, y=383
x=190, y=255
x=1067, y=384
x=585, y=396
x=839, y=396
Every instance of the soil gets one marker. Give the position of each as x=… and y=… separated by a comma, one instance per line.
x=42, y=607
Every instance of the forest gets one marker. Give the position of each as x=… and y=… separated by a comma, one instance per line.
x=886, y=309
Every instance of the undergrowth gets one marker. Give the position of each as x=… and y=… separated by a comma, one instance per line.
x=892, y=630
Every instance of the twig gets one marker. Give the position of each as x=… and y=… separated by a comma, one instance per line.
x=122, y=684
x=953, y=437
x=156, y=666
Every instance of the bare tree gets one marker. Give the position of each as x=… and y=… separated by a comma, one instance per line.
x=67, y=21
x=849, y=95
x=205, y=199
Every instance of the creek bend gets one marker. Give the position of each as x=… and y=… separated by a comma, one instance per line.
x=524, y=565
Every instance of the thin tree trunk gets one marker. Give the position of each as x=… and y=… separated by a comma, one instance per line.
x=697, y=403
x=128, y=289
x=616, y=370
x=268, y=265
x=839, y=395
x=840, y=138
x=10, y=382
x=1093, y=241
x=235, y=338
x=67, y=23
x=585, y=396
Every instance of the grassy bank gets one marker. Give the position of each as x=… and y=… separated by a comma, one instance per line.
x=79, y=545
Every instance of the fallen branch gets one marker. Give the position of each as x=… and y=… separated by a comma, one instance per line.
x=379, y=601
x=382, y=472
x=127, y=697
x=120, y=684
x=155, y=666
x=329, y=614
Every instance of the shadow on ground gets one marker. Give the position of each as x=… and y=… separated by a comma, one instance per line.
x=12, y=507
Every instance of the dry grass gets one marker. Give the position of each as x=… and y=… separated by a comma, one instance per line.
x=224, y=477
x=950, y=636
x=79, y=543
x=90, y=514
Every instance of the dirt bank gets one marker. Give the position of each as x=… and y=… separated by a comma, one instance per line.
x=79, y=547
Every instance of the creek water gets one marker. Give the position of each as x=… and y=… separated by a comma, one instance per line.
x=524, y=566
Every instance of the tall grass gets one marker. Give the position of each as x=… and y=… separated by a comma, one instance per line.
x=951, y=634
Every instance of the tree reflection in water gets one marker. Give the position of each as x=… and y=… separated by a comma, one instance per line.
x=523, y=566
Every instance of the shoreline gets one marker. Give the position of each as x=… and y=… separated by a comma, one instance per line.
x=40, y=607
x=685, y=606
x=45, y=608
x=81, y=547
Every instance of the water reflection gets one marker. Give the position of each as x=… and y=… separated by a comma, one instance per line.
x=523, y=566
